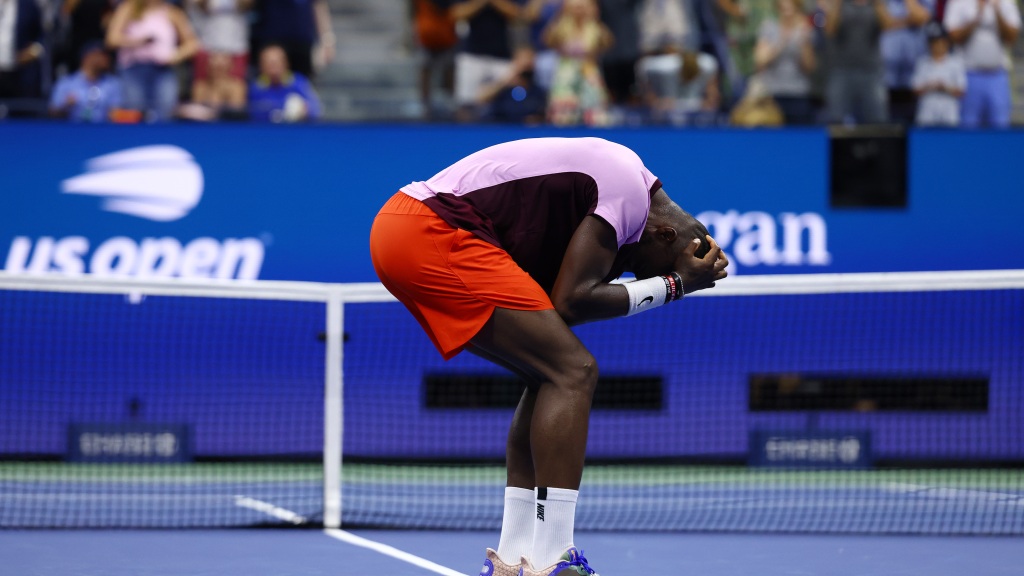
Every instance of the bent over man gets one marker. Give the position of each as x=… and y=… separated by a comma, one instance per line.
x=503, y=251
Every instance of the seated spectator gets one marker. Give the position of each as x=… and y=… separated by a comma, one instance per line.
x=219, y=98
x=221, y=65
x=578, y=94
x=940, y=80
x=486, y=50
x=784, y=57
x=902, y=46
x=90, y=94
x=680, y=89
x=151, y=38
x=280, y=95
x=985, y=29
x=856, y=83
x=516, y=99
x=435, y=34
x=21, y=47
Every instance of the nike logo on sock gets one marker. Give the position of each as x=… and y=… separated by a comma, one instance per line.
x=645, y=301
x=540, y=512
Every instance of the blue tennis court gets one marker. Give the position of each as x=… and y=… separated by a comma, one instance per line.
x=847, y=432
x=403, y=553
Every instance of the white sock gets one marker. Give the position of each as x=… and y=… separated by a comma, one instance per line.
x=553, y=525
x=516, y=525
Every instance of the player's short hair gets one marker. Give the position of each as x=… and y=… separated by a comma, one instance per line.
x=698, y=230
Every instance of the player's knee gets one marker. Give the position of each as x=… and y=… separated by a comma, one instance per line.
x=578, y=374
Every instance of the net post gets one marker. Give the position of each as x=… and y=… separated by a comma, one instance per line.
x=333, y=428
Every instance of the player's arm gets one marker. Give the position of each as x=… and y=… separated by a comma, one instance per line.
x=580, y=293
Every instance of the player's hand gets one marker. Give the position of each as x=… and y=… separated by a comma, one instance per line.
x=700, y=273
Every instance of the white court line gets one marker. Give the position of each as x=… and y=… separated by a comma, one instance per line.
x=346, y=537
x=349, y=538
x=269, y=509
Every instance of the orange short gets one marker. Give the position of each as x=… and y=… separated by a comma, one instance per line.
x=448, y=278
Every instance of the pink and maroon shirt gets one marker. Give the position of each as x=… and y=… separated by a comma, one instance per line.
x=529, y=196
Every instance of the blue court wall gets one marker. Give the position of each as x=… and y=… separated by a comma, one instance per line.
x=296, y=203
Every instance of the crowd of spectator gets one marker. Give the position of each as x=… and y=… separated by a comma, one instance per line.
x=161, y=60
x=564, y=62
x=711, y=62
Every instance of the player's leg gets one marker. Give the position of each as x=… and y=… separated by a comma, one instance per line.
x=517, y=519
x=540, y=342
x=518, y=456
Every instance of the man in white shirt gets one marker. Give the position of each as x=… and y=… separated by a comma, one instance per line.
x=985, y=29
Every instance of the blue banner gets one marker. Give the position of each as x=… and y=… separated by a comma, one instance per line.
x=296, y=203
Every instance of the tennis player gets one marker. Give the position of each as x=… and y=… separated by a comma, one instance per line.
x=503, y=251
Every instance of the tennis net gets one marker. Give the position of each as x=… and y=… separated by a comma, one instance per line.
x=878, y=403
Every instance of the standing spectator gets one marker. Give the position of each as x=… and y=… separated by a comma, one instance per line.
x=577, y=90
x=784, y=57
x=539, y=14
x=280, y=95
x=743, y=30
x=856, y=85
x=939, y=80
x=302, y=28
x=222, y=63
x=985, y=29
x=151, y=38
x=90, y=94
x=516, y=99
x=21, y=46
x=486, y=50
x=665, y=28
x=84, y=22
x=618, y=64
x=435, y=34
x=902, y=46
x=712, y=17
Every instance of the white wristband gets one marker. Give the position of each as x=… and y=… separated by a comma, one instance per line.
x=645, y=294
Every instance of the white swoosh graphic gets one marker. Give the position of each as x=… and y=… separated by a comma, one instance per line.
x=161, y=183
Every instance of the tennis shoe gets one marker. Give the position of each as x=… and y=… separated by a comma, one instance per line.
x=494, y=566
x=572, y=563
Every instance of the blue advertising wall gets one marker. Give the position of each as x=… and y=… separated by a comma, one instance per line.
x=296, y=203
x=303, y=198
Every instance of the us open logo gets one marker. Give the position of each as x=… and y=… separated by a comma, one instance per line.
x=160, y=183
